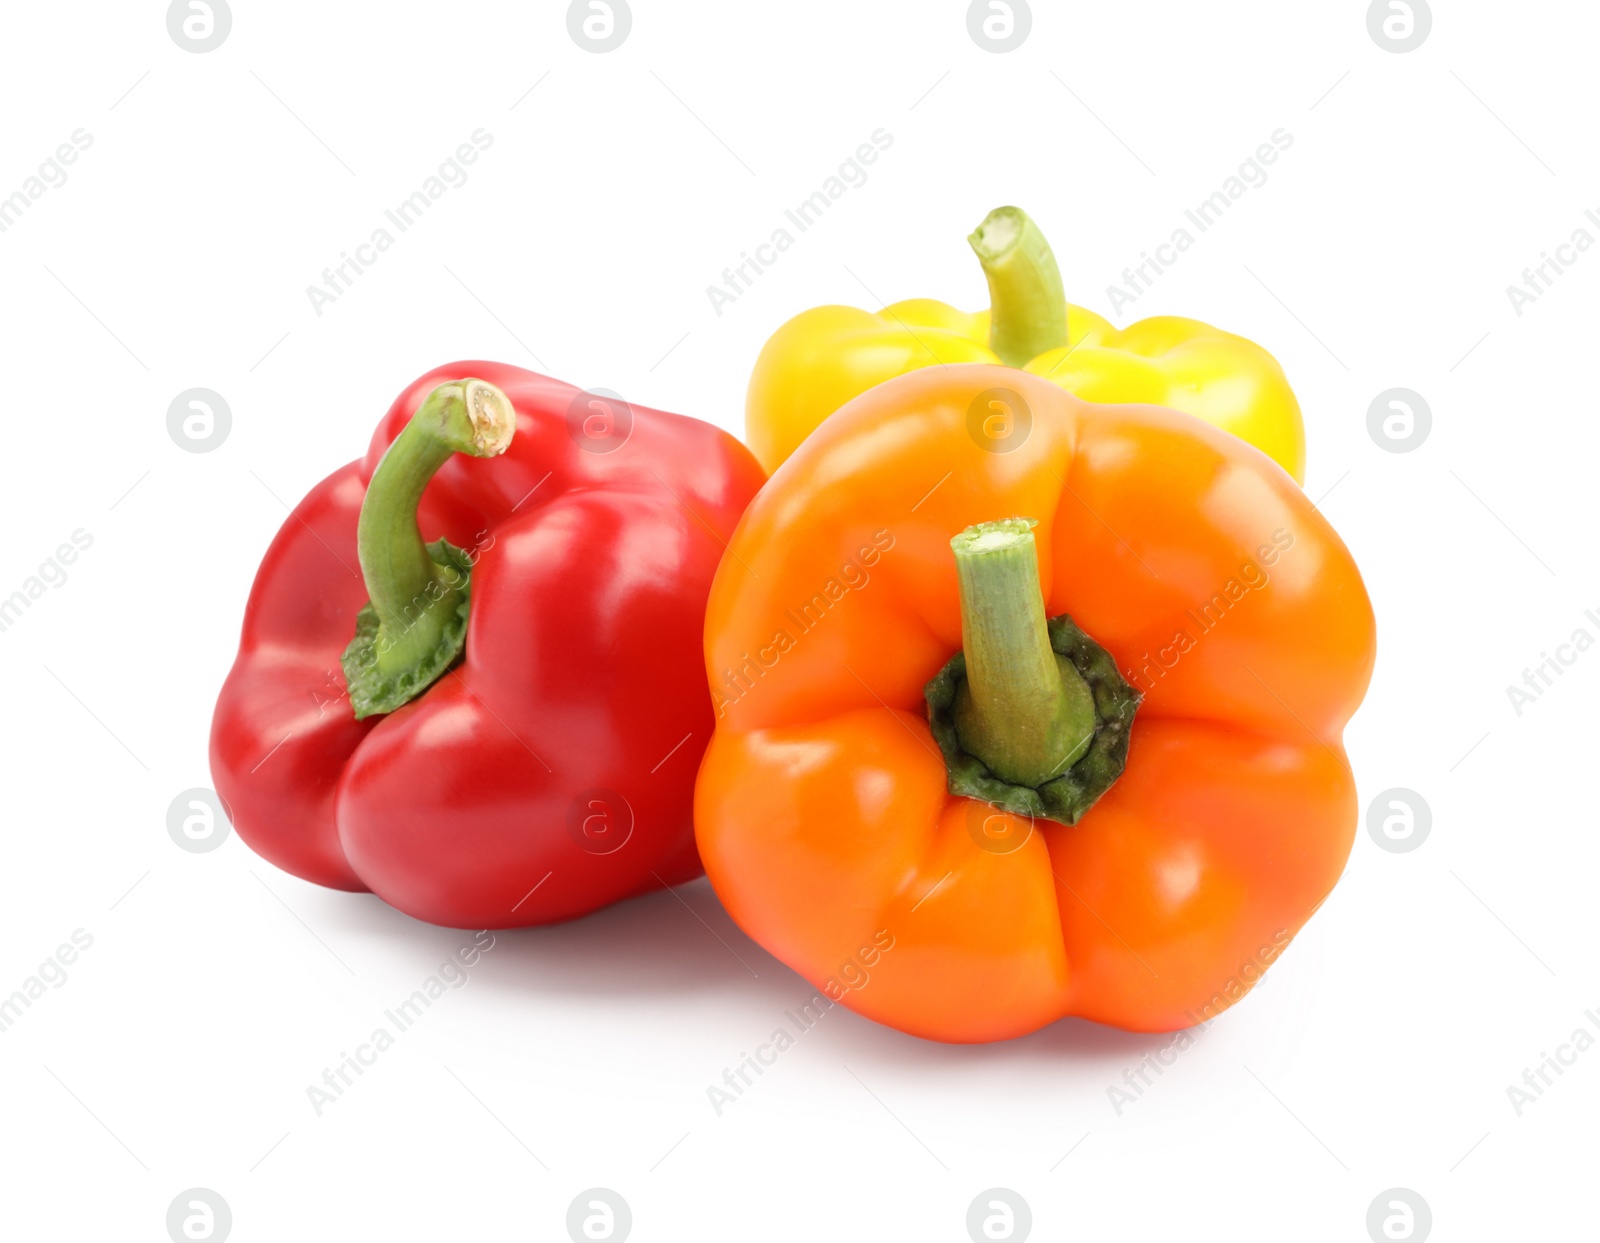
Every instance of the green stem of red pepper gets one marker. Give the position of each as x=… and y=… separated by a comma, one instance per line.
x=1023, y=710
x=414, y=625
x=1027, y=303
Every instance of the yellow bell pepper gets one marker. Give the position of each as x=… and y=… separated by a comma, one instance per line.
x=824, y=357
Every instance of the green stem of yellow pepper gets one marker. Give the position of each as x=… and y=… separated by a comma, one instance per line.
x=1027, y=304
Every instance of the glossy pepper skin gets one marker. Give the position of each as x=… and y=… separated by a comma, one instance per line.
x=823, y=357
x=823, y=812
x=532, y=782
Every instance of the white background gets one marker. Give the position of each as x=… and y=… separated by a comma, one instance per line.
x=1377, y=1054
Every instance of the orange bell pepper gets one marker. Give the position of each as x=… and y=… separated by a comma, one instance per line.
x=1124, y=813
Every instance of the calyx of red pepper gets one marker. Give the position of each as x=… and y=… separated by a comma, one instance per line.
x=414, y=625
x=1031, y=715
x=1027, y=302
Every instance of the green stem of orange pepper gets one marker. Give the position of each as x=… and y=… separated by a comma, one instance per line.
x=1023, y=709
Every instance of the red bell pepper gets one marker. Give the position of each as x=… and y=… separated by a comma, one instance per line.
x=550, y=768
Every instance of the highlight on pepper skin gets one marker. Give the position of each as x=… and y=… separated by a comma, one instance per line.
x=824, y=357
x=1078, y=746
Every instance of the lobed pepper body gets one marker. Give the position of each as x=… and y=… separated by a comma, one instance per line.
x=549, y=770
x=827, y=810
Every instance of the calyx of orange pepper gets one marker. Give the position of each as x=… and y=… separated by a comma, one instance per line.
x=1031, y=715
x=1027, y=301
x=414, y=624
